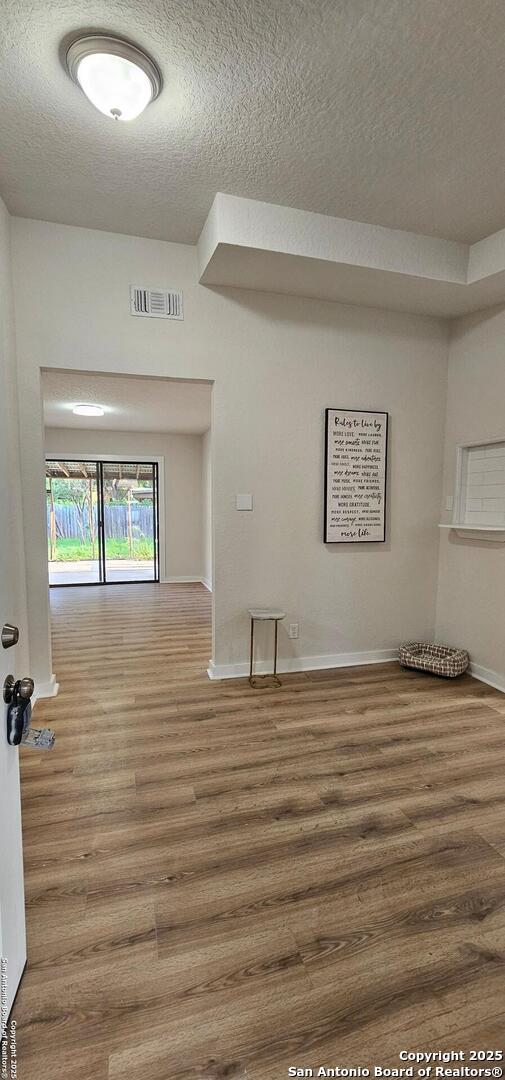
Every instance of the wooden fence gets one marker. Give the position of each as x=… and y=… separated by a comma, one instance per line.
x=72, y=524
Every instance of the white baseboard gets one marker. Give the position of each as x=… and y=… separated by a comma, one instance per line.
x=45, y=689
x=180, y=579
x=492, y=678
x=303, y=663
x=183, y=579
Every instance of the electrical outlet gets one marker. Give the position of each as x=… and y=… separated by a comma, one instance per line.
x=293, y=630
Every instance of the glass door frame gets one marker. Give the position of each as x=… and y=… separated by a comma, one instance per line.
x=100, y=462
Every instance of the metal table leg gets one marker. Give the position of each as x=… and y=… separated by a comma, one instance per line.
x=251, y=652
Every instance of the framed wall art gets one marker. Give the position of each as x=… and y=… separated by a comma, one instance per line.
x=355, y=476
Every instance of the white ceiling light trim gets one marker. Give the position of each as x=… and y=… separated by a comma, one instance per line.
x=88, y=410
x=119, y=79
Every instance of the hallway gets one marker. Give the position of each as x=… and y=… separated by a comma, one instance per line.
x=224, y=882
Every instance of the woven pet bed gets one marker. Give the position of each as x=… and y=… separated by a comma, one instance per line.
x=438, y=659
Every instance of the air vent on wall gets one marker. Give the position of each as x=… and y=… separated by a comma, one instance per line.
x=156, y=303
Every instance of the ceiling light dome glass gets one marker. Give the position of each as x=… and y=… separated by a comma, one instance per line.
x=118, y=78
x=88, y=410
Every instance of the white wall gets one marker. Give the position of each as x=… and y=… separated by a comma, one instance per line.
x=207, y=508
x=470, y=607
x=276, y=362
x=182, y=456
x=13, y=610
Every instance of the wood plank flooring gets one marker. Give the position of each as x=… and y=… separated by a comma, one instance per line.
x=225, y=882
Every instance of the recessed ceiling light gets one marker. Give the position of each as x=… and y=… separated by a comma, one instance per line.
x=88, y=410
x=118, y=78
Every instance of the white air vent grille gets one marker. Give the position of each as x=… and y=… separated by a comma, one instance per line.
x=156, y=303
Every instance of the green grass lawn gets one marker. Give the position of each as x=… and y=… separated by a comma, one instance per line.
x=73, y=550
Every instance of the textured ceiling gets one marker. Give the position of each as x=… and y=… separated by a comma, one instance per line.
x=385, y=111
x=182, y=408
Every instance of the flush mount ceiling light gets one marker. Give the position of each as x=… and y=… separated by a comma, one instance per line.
x=118, y=78
x=88, y=410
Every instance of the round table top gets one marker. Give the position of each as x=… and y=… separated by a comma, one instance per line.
x=266, y=613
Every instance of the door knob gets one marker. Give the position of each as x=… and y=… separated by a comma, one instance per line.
x=9, y=636
x=26, y=687
x=23, y=688
x=9, y=684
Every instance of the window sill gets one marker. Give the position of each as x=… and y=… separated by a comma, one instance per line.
x=492, y=533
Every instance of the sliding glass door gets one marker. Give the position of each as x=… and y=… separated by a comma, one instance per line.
x=73, y=533
x=102, y=522
x=129, y=521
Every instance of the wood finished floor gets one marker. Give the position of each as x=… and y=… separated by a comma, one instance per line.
x=223, y=882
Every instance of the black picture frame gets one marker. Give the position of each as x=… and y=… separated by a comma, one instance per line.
x=369, y=412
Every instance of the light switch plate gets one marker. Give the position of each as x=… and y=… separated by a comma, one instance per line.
x=449, y=502
x=243, y=502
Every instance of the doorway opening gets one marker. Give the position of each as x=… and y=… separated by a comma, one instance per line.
x=102, y=522
x=139, y=481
